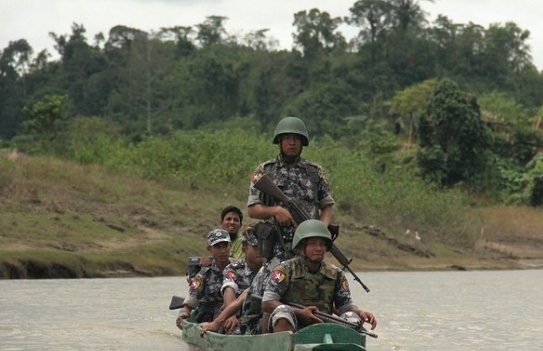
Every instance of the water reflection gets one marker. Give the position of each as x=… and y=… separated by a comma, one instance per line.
x=460, y=311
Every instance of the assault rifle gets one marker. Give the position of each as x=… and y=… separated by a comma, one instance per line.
x=267, y=186
x=327, y=318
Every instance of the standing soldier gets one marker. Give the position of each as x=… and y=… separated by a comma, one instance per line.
x=299, y=179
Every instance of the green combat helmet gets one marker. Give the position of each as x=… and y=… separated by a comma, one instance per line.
x=291, y=125
x=312, y=228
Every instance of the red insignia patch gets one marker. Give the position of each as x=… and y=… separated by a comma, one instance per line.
x=279, y=275
x=231, y=275
x=256, y=177
x=195, y=283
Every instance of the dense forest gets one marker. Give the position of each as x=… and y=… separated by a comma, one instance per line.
x=459, y=104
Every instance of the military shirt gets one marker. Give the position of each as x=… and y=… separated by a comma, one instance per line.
x=205, y=287
x=238, y=276
x=326, y=288
x=250, y=321
x=304, y=181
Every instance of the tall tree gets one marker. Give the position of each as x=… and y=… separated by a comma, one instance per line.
x=375, y=21
x=182, y=36
x=452, y=136
x=79, y=62
x=316, y=33
x=211, y=31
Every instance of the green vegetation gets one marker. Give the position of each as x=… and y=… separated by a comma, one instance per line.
x=148, y=135
x=147, y=215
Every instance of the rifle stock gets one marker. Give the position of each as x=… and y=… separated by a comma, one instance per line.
x=266, y=185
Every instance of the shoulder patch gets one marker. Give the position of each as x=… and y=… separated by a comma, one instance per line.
x=230, y=275
x=196, y=282
x=279, y=274
x=261, y=170
x=344, y=283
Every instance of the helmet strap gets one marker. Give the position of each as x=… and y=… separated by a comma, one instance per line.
x=301, y=252
x=289, y=160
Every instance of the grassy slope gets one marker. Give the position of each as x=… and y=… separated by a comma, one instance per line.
x=59, y=219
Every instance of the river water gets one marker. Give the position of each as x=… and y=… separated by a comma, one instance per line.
x=419, y=311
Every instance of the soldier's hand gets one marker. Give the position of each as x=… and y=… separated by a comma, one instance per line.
x=230, y=324
x=211, y=326
x=307, y=315
x=368, y=317
x=283, y=216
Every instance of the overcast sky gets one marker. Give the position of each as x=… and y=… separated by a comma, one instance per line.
x=34, y=19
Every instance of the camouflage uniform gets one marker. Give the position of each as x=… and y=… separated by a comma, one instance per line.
x=251, y=317
x=303, y=181
x=205, y=293
x=238, y=276
x=291, y=281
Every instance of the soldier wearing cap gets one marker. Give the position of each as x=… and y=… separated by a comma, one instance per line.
x=205, y=288
x=238, y=276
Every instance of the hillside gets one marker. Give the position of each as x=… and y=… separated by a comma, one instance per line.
x=63, y=220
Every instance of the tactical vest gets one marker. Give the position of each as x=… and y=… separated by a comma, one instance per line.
x=312, y=289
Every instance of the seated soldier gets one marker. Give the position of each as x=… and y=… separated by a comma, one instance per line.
x=231, y=221
x=251, y=314
x=307, y=280
x=205, y=287
x=239, y=275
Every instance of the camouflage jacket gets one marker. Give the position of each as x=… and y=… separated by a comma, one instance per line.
x=205, y=288
x=238, y=276
x=304, y=181
x=327, y=288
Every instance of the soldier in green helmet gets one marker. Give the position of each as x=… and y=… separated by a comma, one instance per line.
x=307, y=280
x=299, y=179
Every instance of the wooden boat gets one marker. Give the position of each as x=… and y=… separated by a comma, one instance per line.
x=317, y=337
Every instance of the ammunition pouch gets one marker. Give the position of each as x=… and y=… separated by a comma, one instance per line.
x=266, y=233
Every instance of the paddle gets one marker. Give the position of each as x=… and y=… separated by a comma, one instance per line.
x=177, y=302
x=324, y=316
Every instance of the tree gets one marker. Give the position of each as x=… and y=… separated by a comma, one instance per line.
x=452, y=136
x=407, y=14
x=316, y=33
x=79, y=62
x=181, y=36
x=211, y=31
x=258, y=41
x=375, y=21
x=409, y=103
x=506, y=48
x=45, y=114
x=515, y=138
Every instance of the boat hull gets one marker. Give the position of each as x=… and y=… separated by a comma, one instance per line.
x=318, y=337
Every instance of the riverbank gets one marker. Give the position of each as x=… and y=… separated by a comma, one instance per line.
x=60, y=220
